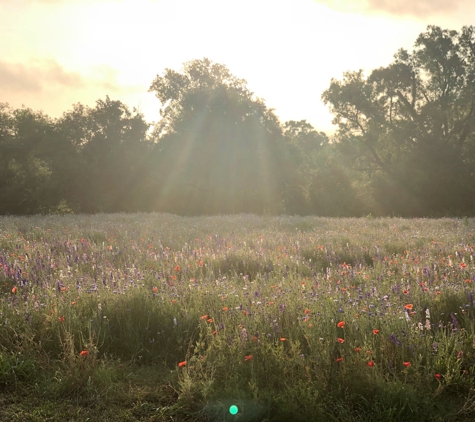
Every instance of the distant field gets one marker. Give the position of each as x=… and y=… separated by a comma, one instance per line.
x=155, y=317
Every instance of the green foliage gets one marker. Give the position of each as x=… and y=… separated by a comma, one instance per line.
x=408, y=127
x=405, y=146
x=250, y=306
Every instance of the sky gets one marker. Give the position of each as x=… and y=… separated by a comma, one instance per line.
x=56, y=53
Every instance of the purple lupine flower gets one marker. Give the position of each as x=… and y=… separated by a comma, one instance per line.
x=454, y=322
x=395, y=340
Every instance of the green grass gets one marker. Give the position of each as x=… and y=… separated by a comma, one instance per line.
x=251, y=304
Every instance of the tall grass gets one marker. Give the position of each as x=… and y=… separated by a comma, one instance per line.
x=290, y=318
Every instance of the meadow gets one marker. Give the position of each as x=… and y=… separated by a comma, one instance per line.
x=156, y=317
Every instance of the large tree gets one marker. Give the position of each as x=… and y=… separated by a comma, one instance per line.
x=111, y=159
x=410, y=126
x=218, y=146
x=33, y=162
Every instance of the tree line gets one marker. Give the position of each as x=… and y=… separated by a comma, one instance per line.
x=405, y=145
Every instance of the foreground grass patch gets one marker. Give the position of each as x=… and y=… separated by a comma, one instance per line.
x=158, y=317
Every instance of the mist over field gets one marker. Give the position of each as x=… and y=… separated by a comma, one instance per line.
x=405, y=145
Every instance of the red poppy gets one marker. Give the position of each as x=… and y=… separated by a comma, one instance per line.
x=357, y=349
x=437, y=376
x=283, y=339
x=14, y=289
x=84, y=353
x=341, y=324
x=225, y=308
x=307, y=311
x=204, y=317
x=370, y=363
x=248, y=357
x=155, y=289
x=375, y=332
x=61, y=319
x=210, y=320
x=408, y=306
x=214, y=332
x=407, y=364
x=181, y=364
x=177, y=268
x=339, y=359
x=340, y=340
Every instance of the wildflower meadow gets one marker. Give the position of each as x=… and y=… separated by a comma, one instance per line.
x=155, y=317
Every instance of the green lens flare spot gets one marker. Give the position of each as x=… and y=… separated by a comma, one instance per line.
x=233, y=410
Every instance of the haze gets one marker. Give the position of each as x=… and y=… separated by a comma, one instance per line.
x=60, y=52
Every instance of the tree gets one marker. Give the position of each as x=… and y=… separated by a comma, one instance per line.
x=410, y=126
x=31, y=155
x=316, y=182
x=218, y=147
x=110, y=142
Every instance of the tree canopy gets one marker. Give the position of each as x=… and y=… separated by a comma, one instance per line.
x=410, y=126
x=405, y=145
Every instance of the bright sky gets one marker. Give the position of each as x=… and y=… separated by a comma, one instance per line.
x=54, y=53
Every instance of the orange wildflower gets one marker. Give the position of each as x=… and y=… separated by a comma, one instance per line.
x=84, y=353
x=408, y=306
x=177, y=268
x=248, y=357
x=204, y=317
x=341, y=324
x=14, y=289
x=407, y=364
x=340, y=340
x=283, y=339
x=375, y=332
x=155, y=289
x=182, y=364
x=225, y=308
